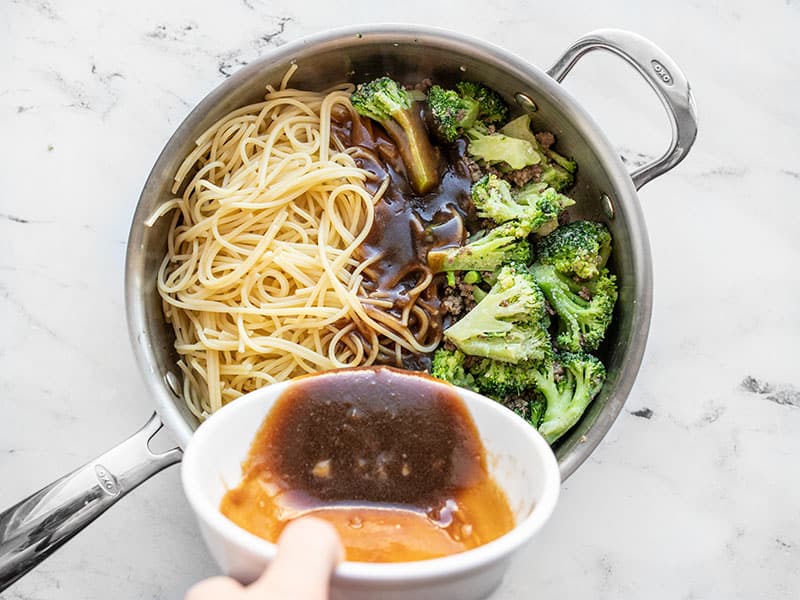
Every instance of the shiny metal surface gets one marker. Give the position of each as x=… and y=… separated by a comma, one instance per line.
x=34, y=528
x=37, y=526
x=663, y=75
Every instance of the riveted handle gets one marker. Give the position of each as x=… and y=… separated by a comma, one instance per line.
x=37, y=526
x=664, y=76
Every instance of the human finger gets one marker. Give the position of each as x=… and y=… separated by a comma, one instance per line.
x=215, y=588
x=308, y=551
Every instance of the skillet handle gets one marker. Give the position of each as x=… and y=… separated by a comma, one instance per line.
x=34, y=528
x=664, y=76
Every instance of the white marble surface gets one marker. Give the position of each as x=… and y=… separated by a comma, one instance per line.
x=695, y=491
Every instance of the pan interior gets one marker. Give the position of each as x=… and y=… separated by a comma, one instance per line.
x=409, y=57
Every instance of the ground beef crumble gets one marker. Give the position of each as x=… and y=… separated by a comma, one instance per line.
x=449, y=346
x=490, y=170
x=522, y=176
x=558, y=371
x=474, y=169
x=470, y=361
x=519, y=404
x=458, y=300
x=466, y=291
x=485, y=225
x=545, y=139
x=424, y=85
x=453, y=303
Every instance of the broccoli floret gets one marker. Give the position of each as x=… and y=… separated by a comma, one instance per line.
x=449, y=366
x=509, y=324
x=557, y=171
x=537, y=408
x=568, y=384
x=579, y=249
x=499, y=149
x=512, y=385
x=584, y=309
x=535, y=207
x=450, y=112
x=491, y=109
x=556, y=177
x=493, y=200
x=499, y=379
x=546, y=204
x=503, y=244
x=385, y=101
x=520, y=128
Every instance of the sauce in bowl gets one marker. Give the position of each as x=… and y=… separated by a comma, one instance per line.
x=392, y=460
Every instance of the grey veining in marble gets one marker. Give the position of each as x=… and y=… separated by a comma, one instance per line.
x=695, y=491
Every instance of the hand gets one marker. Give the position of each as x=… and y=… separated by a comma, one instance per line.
x=308, y=551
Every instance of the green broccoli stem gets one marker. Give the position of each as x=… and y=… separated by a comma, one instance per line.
x=582, y=323
x=562, y=161
x=472, y=277
x=487, y=253
x=419, y=156
x=558, y=420
x=567, y=401
x=560, y=410
x=478, y=294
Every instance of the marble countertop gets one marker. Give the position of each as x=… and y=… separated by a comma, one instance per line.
x=693, y=494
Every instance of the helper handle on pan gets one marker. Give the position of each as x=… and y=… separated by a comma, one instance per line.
x=664, y=76
x=33, y=529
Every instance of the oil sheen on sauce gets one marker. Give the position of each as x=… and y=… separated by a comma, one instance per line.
x=407, y=226
x=392, y=460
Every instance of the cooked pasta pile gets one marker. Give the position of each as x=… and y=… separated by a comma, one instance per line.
x=262, y=280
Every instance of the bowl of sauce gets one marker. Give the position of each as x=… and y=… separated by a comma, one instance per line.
x=432, y=488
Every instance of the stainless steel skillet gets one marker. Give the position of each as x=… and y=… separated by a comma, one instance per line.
x=38, y=525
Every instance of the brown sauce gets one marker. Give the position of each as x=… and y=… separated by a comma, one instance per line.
x=407, y=226
x=394, y=462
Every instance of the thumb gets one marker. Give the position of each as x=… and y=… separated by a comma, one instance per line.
x=308, y=551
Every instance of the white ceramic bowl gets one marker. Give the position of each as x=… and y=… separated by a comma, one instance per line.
x=517, y=456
